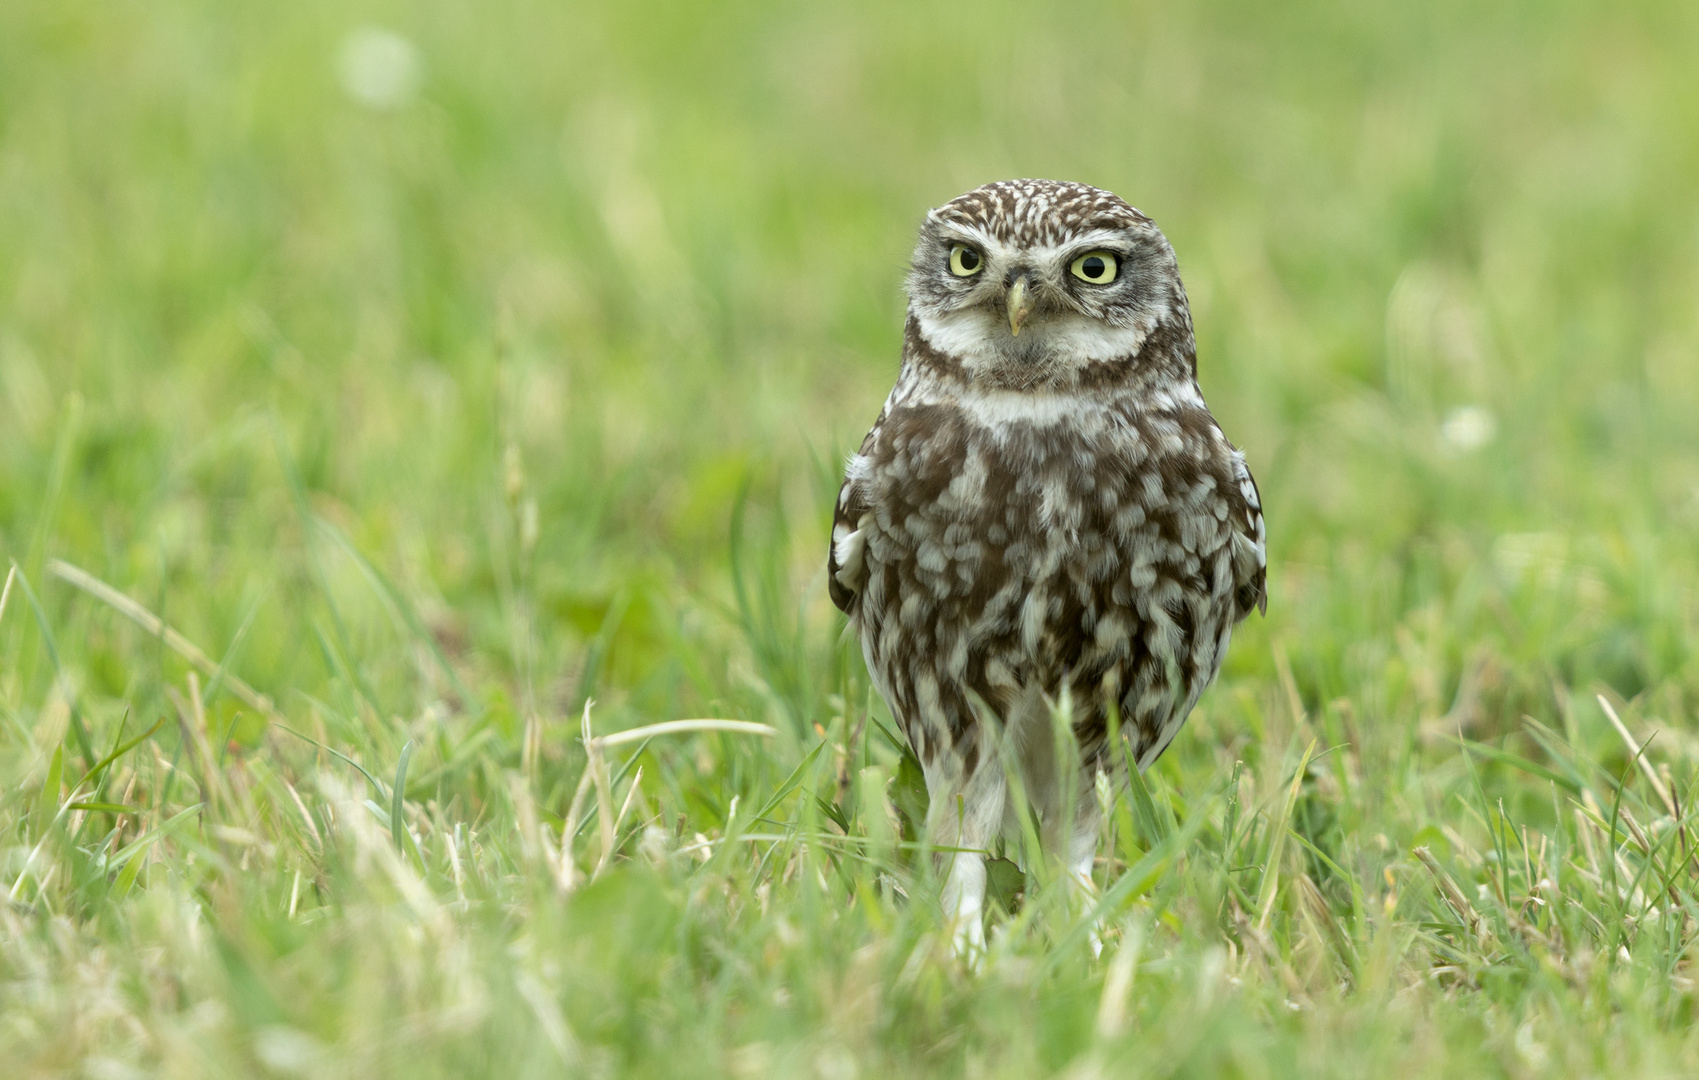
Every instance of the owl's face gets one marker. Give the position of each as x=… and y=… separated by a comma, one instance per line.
x=1034, y=283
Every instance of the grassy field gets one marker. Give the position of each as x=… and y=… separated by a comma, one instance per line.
x=437, y=370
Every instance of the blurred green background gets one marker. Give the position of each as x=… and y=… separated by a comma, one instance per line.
x=650, y=252
x=443, y=366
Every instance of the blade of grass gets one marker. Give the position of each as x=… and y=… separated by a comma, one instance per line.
x=64, y=447
x=6, y=592
x=117, y=740
x=129, y=858
x=189, y=651
x=462, y=754
x=624, y=770
x=1125, y=827
x=1517, y=761
x=157, y=627
x=107, y=761
x=1500, y=880
x=1137, y=881
x=304, y=511
x=598, y=767
x=47, y=802
x=625, y=807
x=1144, y=808
x=402, y=610
x=675, y=727
x=792, y=782
x=334, y=752
x=397, y=803
x=1277, y=842
x=1357, y=902
x=216, y=679
x=47, y=639
x=1638, y=752
x=1449, y=892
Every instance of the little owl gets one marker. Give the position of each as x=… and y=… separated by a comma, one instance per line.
x=1045, y=520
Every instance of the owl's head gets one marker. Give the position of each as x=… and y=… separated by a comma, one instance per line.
x=1039, y=284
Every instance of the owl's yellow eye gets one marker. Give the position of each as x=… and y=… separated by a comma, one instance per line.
x=1097, y=267
x=965, y=262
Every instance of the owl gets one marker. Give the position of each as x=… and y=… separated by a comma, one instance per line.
x=1044, y=522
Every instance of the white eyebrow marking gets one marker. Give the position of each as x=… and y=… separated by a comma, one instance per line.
x=1002, y=250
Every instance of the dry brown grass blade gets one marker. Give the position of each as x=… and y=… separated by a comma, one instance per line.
x=306, y=815
x=566, y=873
x=1448, y=889
x=625, y=808
x=597, y=766
x=677, y=727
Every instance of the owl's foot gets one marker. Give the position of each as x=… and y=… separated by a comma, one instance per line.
x=1095, y=940
x=964, y=908
x=967, y=939
x=1085, y=895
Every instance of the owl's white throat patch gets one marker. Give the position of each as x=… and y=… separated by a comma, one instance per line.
x=981, y=341
x=998, y=410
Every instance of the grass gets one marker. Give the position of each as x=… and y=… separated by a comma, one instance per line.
x=456, y=418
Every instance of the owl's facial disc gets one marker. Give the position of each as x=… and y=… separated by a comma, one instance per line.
x=1036, y=285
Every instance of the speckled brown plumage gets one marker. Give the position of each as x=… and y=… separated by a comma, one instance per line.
x=1044, y=512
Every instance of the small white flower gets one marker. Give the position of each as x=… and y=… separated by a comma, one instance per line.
x=1468, y=427
x=380, y=68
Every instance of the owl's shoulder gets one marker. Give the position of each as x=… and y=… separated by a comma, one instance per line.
x=1205, y=476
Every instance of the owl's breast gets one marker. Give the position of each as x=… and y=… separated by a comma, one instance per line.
x=974, y=503
x=997, y=547
x=1033, y=530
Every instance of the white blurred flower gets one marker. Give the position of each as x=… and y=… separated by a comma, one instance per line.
x=380, y=68
x=288, y=1051
x=1468, y=427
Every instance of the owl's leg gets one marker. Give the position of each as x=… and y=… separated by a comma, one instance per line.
x=966, y=816
x=1081, y=856
x=1082, y=849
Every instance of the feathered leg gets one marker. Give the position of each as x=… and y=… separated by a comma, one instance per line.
x=966, y=816
x=1081, y=856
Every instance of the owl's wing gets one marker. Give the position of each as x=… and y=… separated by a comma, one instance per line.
x=1250, y=547
x=846, y=566
x=846, y=559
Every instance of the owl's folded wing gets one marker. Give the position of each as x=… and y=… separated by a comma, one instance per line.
x=1250, y=550
x=846, y=566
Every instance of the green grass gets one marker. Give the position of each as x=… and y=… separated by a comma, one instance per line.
x=432, y=423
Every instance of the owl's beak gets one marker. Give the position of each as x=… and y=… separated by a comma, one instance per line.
x=1020, y=304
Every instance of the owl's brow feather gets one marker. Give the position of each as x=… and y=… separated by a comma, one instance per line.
x=1095, y=239
x=955, y=230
